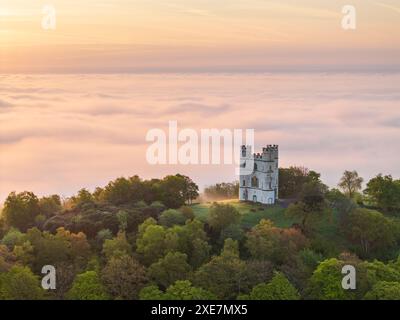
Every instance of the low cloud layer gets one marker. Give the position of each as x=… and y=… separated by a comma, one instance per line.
x=59, y=133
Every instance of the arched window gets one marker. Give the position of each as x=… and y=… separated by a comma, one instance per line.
x=244, y=183
x=254, y=182
x=255, y=166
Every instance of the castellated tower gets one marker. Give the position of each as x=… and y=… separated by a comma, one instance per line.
x=259, y=175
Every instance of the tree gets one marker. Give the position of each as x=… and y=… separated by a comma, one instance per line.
x=312, y=204
x=371, y=231
x=151, y=292
x=191, y=240
x=116, y=247
x=63, y=247
x=326, y=282
x=84, y=197
x=291, y=180
x=190, y=189
x=266, y=242
x=350, y=183
x=172, y=217
x=13, y=237
x=50, y=206
x=384, y=290
x=20, y=210
x=279, y=288
x=342, y=204
x=222, y=215
x=122, y=217
x=151, y=241
x=123, y=277
x=118, y=191
x=173, y=191
x=169, y=269
x=20, y=284
x=187, y=212
x=222, y=190
x=183, y=290
x=222, y=275
x=384, y=192
x=87, y=286
x=7, y=259
x=102, y=236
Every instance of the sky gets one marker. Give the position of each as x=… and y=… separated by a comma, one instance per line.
x=198, y=36
x=77, y=102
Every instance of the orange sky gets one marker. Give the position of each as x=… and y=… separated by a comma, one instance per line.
x=158, y=35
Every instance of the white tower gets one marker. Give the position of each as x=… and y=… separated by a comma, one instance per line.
x=259, y=183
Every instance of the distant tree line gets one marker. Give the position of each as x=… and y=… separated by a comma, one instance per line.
x=220, y=191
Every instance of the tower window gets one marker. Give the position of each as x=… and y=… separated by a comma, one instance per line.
x=254, y=182
x=244, y=183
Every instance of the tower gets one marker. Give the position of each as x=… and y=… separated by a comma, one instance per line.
x=259, y=175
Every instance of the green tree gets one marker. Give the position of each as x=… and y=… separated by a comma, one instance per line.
x=221, y=191
x=311, y=206
x=291, y=180
x=55, y=249
x=222, y=215
x=20, y=210
x=371, y=231
x=151, y=292
x=384, y=192
x=350, y=183
x=266, y=242
x=169, y=269
x=151, y=241
x=122, y=217
x=342, y=204
x=326, y=282
x=20, y=284
x=192, y=240
x=13, y=237
x=187, y=212
x=384, y=290
x=172, y=217
x=123, y=277
x=223, y=275
x=118, y=192
x=183, y=290
x=83, y=197
x=190, y=189
x=7, y=258
x=50, y=206
x=279, y=288
x=117, y=247
x=87, y=286
x=173, y=191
